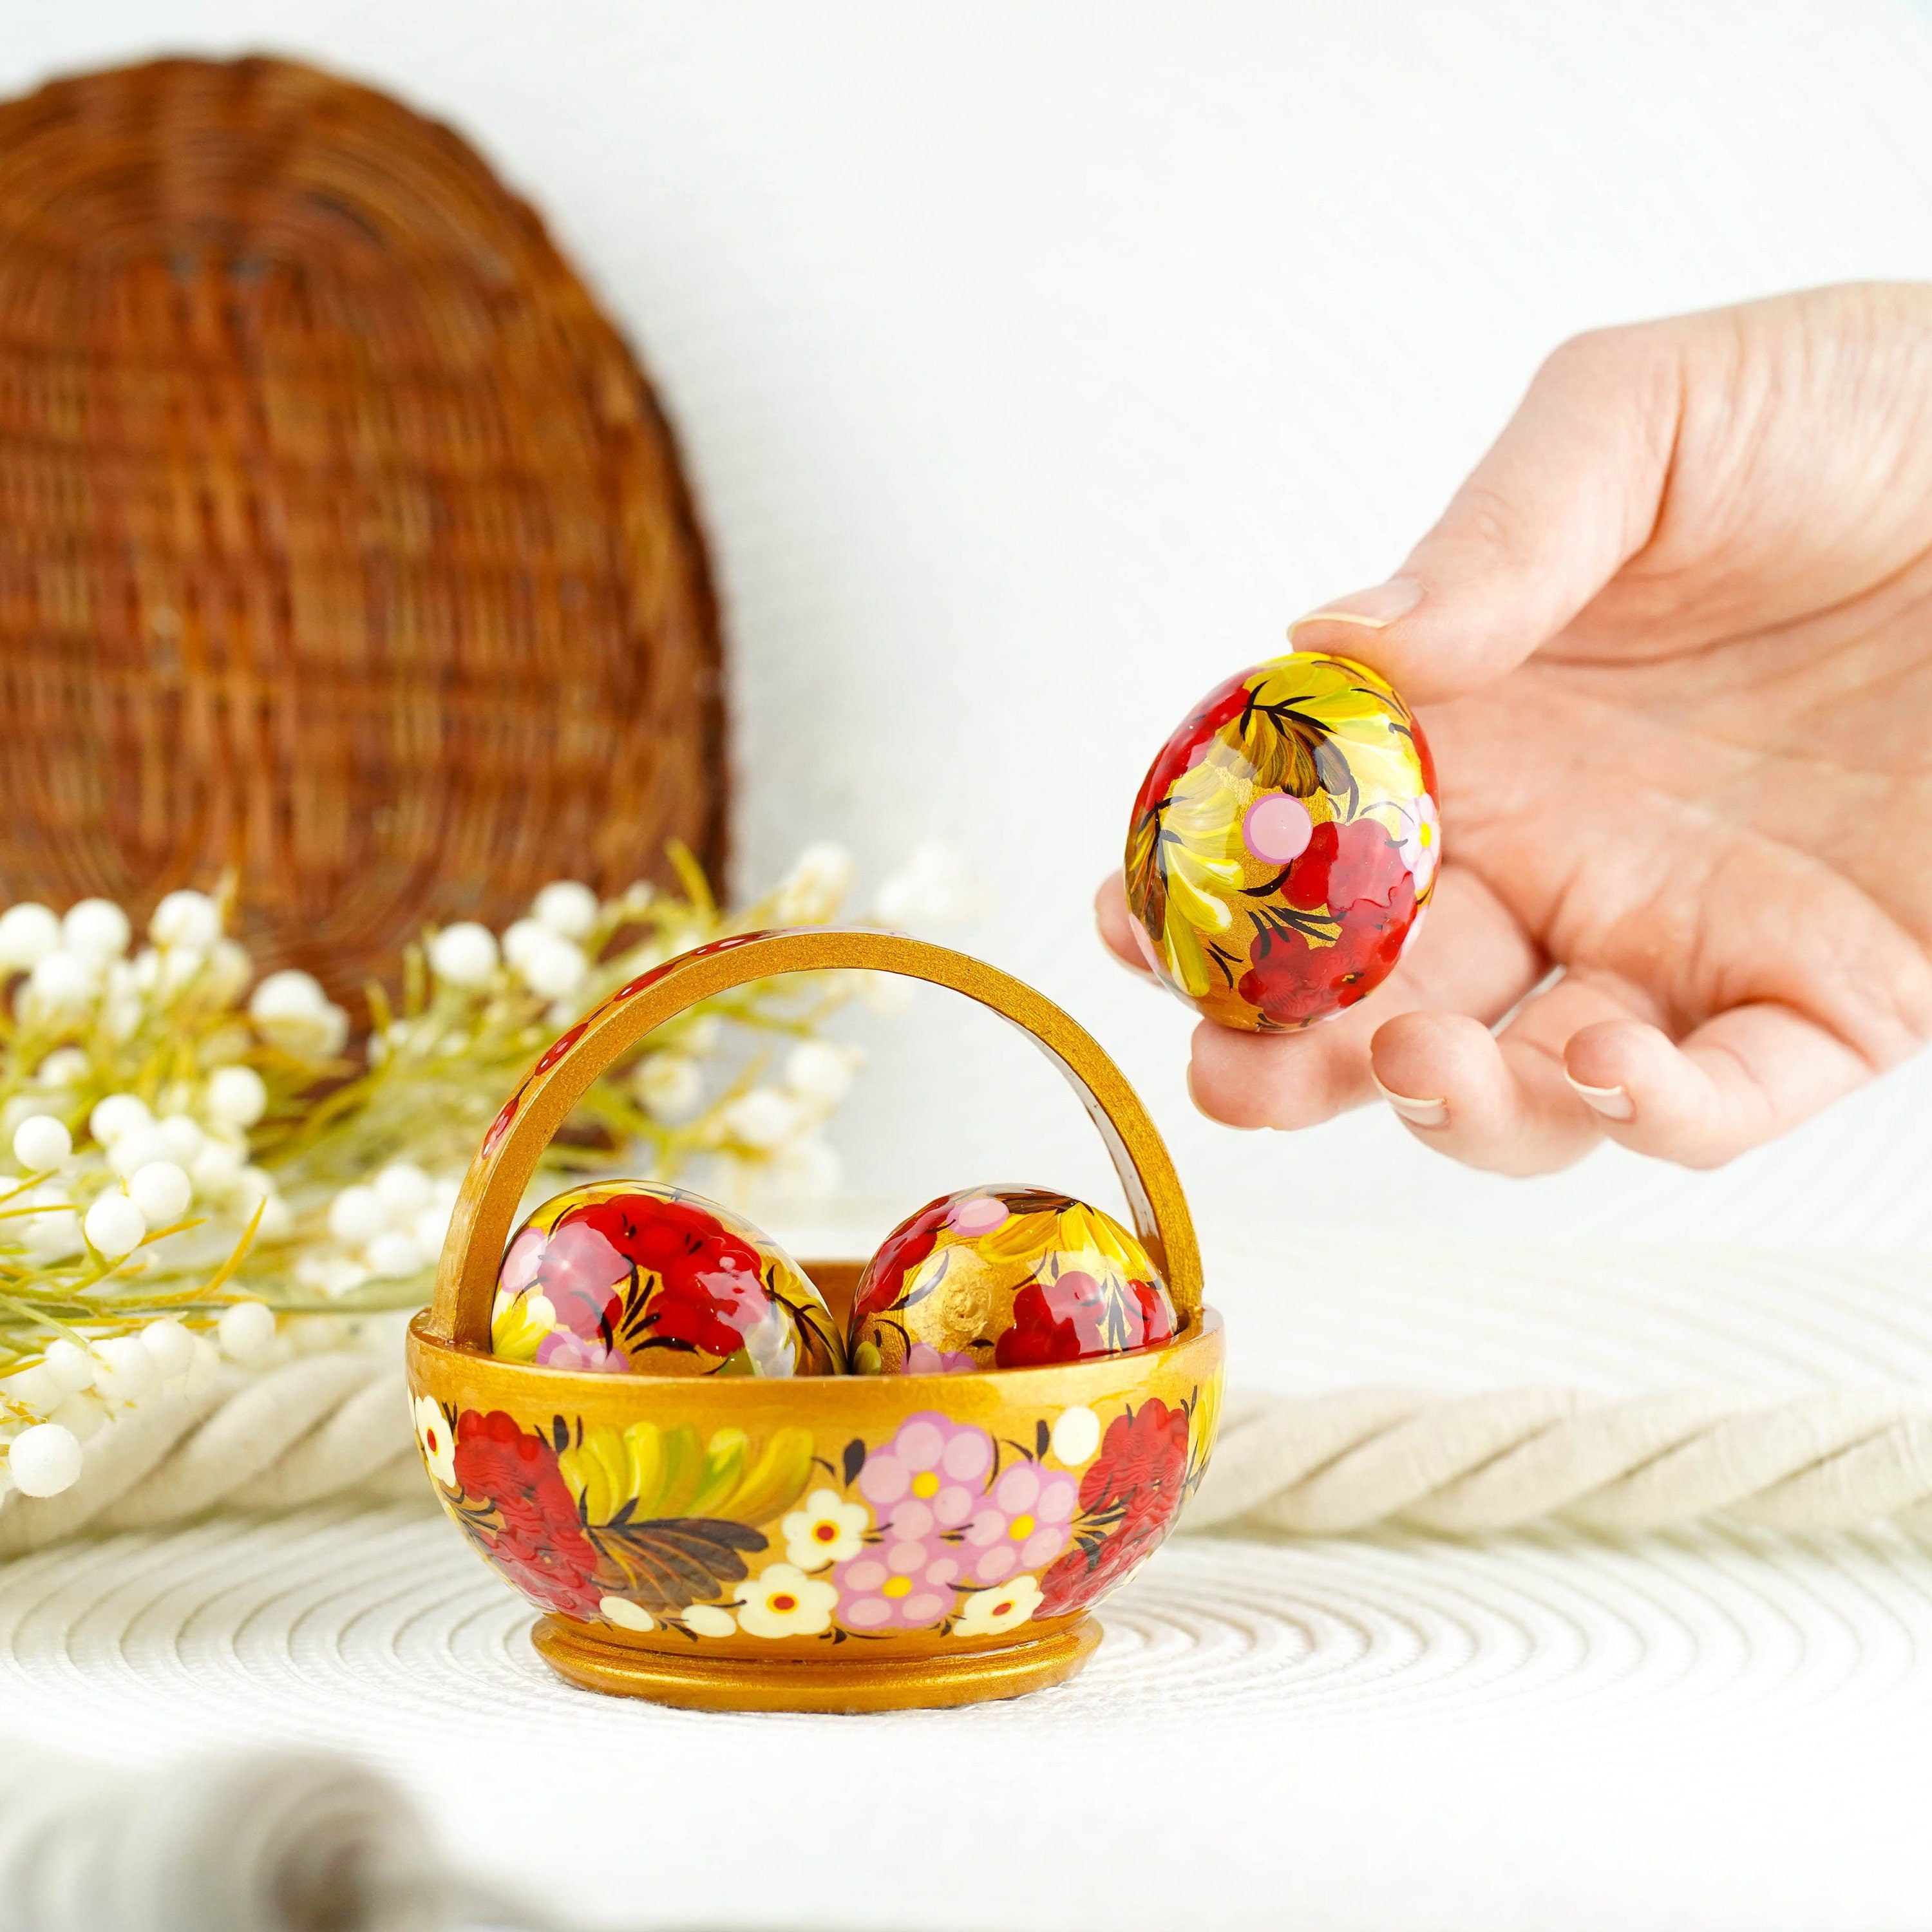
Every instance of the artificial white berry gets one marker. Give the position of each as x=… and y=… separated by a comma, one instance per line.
x=129, y=1152
x=114, y=1116
x=935, y=889
x=203, y=1368
x=53, y=1235
x=31, y=1388
x=44, y=1459
x=287, y=995
x=41, y=1143
x=808, y=1169
x=357, y=1215
x=246, y=1331
x=128, y=1374
x=214, y=1169
x=182, y=1137
x=524, y=938
x=566, y=907
x=553, y=968
x=430, y=1227
x=229, y=969
x=236, y=1096
x=404, y=1188
x=96, y=929
x=162, y=1191
x=64, y=979
x=393, y=1255
x=171, y=1346
x=669, y=1084
x=65, y=1066
x=82, y=1416
x=187, y=919
x=465, y=954
x=811, y=892
x=176, y=968
x=762, y=1118
x=27, y=934
x=115, y=1226
x=818, y=1071
x=72, y=1367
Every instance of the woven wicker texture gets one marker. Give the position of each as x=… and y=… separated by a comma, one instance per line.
x=341, y=540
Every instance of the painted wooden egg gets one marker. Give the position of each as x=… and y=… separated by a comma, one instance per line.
x=630, y=1277
x=1284, y=844
x=1005, y=1278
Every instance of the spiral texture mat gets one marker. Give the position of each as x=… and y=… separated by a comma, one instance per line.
x=1714, y=1728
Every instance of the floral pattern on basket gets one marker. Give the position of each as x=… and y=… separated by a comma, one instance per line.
x=937, y=1527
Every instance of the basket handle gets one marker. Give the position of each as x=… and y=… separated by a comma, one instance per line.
x=466, y=1279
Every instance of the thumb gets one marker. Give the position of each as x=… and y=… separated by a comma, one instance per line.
x=1567, y=493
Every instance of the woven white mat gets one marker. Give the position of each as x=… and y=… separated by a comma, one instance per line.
x=1721, y=1730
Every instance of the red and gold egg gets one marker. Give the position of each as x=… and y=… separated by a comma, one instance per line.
x=1005, y=1277
x=633, y=1277
x=1284, y=844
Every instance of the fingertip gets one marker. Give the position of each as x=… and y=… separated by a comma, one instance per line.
x=1615, y=1065
x=1423, y=1056
x=1398, y=651
x=1610, y=1053
x=1283, y=1080
x=1222, y=1084
x=1448, y=1079
x=1116, y=925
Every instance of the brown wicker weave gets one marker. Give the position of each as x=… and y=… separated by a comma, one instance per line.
x=341, y=540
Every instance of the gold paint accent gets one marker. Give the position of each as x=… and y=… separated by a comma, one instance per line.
x=834, y=1409
x=853, y=1678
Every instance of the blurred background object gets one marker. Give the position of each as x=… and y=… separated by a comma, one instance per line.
x=344, y=543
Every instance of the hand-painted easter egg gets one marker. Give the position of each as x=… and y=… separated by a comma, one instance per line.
x=630, y=1277
x=1284, y=844
x=1005, y=1278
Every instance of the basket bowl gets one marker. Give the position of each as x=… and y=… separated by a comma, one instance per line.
x=833, y=1543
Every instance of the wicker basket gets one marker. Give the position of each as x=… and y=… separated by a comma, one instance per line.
x=341, y=541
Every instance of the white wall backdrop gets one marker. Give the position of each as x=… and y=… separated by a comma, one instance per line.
x=1036, y=360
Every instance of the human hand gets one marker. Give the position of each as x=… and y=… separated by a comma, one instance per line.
x=1672, y=643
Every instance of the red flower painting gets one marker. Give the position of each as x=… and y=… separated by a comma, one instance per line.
x=527, y=1521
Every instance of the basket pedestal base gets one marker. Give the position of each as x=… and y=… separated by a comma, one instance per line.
x=855, y=1682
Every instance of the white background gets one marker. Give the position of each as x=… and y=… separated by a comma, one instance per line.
x=1035, y=362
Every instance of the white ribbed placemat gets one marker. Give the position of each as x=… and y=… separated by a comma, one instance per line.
x=1710, y=1730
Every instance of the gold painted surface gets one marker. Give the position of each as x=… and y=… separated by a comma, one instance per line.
x=1011, y=1406
x=835, y=1408
x=853, y=1684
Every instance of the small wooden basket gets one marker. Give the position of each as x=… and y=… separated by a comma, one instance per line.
x=752, y=1572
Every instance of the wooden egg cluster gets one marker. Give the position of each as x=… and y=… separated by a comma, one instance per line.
x=635, y=1277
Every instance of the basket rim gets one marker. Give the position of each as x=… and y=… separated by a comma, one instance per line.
x=432, y=1357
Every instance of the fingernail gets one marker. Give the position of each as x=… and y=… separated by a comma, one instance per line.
x=1614, y=1103
x=1416, y=1113
x=1374, y=609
